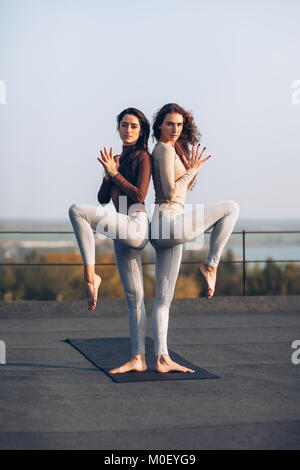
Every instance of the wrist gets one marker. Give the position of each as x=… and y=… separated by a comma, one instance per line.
x=192, y=171
x=113, y=173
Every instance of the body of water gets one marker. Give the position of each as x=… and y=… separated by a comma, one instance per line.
x=258, y=246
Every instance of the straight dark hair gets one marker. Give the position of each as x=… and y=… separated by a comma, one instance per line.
x=142, y=142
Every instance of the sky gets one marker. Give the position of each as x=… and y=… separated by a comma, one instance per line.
x=69, y=67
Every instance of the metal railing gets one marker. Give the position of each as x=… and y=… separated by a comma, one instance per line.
x=244, y=261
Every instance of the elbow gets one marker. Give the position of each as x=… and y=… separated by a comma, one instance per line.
x=169, y=194
x=139, y=198
x=102, y=199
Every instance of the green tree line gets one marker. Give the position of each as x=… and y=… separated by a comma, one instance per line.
x=66, y=282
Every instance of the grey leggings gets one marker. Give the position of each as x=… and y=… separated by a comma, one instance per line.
x=222, y=217
x=129, y=262
x=128, y=251
x=132, y=230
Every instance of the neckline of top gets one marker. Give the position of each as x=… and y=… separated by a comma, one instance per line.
x=165, y=143
x=126, y=147
x=168, y=145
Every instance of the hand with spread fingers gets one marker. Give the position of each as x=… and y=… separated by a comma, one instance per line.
x=107, y=160
x=195, y=159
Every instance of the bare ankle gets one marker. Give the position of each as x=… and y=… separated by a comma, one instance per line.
x=89, y=273
x=210, y=269
x=160, y=357
x=138, y=357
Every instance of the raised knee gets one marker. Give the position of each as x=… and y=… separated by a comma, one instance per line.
x=74, y=209
x=233, y=207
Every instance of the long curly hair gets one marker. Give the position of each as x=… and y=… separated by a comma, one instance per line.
x=190, y=134
x=142, y=142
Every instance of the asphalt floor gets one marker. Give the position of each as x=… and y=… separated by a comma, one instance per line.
x=52, y=397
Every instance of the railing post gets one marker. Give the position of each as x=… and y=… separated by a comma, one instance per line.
x=244, y=262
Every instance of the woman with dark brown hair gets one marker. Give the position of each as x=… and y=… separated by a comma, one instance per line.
x=126, y=181
x=174, y=171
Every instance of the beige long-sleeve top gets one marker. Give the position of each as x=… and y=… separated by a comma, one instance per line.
x=171, y=180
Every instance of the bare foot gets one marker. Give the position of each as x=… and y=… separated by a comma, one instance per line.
x=210, y=275
x=165, y=364
x=137, y=363
x=91, y=290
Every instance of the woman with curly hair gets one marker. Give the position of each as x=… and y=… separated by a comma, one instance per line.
x=174, y=171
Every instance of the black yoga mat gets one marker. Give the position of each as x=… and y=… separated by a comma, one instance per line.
x=108, y=353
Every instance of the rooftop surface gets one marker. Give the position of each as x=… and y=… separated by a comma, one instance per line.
x=52, y=397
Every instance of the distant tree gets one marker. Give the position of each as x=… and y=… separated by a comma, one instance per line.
x=273, y=279
x=66, y=282
x=291, y=275
x=229, y=278
x=229, y=267
x=187, y=287
x=255, y=281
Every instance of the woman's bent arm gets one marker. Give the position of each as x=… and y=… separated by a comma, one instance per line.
x=170, y=187
x=104, y=191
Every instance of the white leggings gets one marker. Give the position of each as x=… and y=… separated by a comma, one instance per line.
x=222, y=217
x=132, y=230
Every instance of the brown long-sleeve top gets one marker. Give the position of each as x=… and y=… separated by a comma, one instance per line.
x=132, y=179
